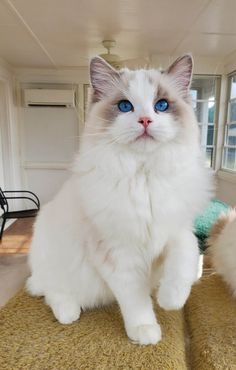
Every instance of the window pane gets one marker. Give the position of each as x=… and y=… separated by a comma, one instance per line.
x=233, y=88
x=229, y=153
x=211, y=112
x=210, y=135
x=204, y=87
x=229, y=159
x=231, y=134
x=193, y=94
x=232, y=111
x=209, y=157
x=205, y=112
x=205, y=104
x=206, y=135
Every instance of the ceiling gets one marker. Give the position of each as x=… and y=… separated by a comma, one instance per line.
x=66, y=33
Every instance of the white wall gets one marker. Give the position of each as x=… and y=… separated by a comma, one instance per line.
x=2, y=167
x=226, y=188
x=10, y=165
x=49, y=136
x=49, y=142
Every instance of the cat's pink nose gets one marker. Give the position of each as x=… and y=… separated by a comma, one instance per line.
x=145, y=121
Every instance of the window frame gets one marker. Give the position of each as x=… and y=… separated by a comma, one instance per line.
x=226, y=125
x=215, y=124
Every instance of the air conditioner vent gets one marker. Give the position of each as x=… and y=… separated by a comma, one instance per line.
x=49, y=98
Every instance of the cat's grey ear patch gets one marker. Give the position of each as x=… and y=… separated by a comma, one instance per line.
x=103, y=78
x=181, y=72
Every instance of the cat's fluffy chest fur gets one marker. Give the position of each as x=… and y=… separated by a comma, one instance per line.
x=141, y=200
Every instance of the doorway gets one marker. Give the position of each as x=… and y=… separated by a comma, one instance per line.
x=3, y=137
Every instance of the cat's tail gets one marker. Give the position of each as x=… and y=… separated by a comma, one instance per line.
x=222, y=248
x=218, y=227
x=33, y=287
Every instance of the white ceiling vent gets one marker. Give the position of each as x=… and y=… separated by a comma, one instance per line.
x=49, y=98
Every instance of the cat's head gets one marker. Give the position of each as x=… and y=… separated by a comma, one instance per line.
x=141, y=109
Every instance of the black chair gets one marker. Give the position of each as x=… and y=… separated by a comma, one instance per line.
x=15, y=194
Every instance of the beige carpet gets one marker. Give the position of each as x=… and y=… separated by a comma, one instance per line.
x=31, y=338
x=211, y=316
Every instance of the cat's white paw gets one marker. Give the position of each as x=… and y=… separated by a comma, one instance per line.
x=145, y=334
x=173, y=296
x=66, y=312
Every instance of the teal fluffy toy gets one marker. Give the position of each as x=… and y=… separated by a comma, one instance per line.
x=205, y=221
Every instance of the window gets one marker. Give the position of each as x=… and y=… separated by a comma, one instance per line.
x=205, y=92
x=229, y=151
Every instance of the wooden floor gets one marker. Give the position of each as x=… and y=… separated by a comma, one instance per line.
x=17, y=237
x=14, y=247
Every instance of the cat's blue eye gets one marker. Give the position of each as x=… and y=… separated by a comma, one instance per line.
x=161, y=105
x=125, y=106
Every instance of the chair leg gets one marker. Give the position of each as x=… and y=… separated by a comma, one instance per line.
x=2, y=228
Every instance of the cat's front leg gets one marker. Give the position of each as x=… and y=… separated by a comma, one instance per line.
x=180, y=271
x=137, y=311
x=132, y=292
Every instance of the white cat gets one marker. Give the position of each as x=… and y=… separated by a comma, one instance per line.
x=222, y=248
x=124, y=218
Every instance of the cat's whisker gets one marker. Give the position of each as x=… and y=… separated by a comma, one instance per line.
x=116, y=139
x=95, y=126
x=101, y=119
x=98, y=126
x=100, y=146
x=85, y=135
x=102, y=133
x=103, y=145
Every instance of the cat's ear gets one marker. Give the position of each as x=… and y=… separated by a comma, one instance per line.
x=181, y=73
x=103, y=78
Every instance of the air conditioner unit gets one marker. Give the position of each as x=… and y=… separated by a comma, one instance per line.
x=49, y=98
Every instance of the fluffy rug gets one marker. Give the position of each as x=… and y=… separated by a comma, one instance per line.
x=204, y=222
x=31, y=338
x=211, y=316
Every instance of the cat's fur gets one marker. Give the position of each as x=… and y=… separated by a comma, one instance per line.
x=130, y=200
x=222, y=248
